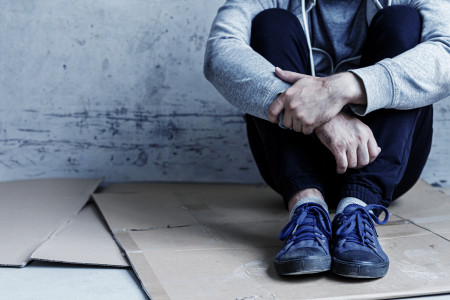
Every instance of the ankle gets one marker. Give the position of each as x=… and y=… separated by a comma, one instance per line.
x=306, y=193
x=305, y=196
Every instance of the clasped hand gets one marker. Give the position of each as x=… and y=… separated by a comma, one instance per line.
x=350, y=140
x=308, y=103
x=315, y=104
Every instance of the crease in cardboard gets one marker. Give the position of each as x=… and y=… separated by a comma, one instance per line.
x=150, y=228
x=154, y=228
x=412, y=221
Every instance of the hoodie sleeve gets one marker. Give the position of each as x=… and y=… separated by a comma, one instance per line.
x=241, y=75
x=419, y=76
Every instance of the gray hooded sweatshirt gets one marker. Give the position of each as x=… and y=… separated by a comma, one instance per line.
x=416, y=78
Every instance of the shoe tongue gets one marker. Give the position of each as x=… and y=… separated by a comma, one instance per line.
x=351, y=208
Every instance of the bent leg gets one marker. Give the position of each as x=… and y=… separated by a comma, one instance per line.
x=288, y=161
x=404, y=136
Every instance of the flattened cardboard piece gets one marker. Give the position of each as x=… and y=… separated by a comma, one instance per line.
x=142, y=211
x=227, y=250
x=430, y=209
x=84, y=240
x=32, y=210
x=422, y=200
x=212, y=203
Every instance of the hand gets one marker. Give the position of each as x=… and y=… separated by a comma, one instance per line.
x=312, y=101
x=350, y=140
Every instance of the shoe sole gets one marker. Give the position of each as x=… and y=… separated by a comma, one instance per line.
x=303, y=266
x=354, y=270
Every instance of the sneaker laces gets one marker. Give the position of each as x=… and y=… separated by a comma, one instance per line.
x=310, y=229
x=358, y=225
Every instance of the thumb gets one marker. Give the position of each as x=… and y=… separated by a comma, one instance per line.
x=289, y=76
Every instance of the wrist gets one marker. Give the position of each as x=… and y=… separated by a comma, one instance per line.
x=349, y=88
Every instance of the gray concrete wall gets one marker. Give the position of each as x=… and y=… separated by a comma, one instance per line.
x=115, y=88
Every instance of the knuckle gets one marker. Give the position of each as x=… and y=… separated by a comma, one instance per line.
x=272, y=112
x=289, y=93
x=291, y=105
x=338, y=145
x=360, y=139
x=341, y=169
x=363, y=163
x=308, y=122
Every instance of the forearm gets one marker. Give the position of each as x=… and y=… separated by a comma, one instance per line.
x=241, y=75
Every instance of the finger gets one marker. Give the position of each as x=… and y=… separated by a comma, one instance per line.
x=341, y=162
x=289, y=76
x=275, y=109
x=363, y=156
x=287, y=119
x=373, y=149
x=297, y=126
x=308, y=129
x=352, y=158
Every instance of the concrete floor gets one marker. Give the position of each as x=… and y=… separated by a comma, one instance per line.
x=55, y=281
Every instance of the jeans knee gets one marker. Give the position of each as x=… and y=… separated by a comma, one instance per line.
x=273, y=24
x=399, y=24
x=273, y=16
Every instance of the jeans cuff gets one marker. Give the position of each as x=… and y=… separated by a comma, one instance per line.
x=369, y=196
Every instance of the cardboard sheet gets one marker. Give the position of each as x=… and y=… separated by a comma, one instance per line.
x=85, y=239
x=218, y=242
x=32, y=211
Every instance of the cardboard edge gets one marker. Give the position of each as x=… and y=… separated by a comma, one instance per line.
x=144, y=270
x=82, y=264
x=127, y=254
x=15, y=266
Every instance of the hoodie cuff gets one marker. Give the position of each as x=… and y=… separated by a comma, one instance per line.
x=278, y=87
x=379, y=88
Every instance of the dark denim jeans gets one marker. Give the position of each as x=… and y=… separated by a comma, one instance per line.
x=290, y=161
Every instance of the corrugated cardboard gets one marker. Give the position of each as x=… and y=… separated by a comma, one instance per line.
x=83, y=240
x=39, y=220
x=218, y=242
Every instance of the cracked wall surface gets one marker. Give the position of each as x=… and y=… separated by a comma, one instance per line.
x=115, y=88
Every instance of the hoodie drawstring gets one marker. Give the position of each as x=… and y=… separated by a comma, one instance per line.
x=308, y=37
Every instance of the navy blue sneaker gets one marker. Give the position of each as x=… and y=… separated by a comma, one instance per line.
x=356, y=251
x=306, y=237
